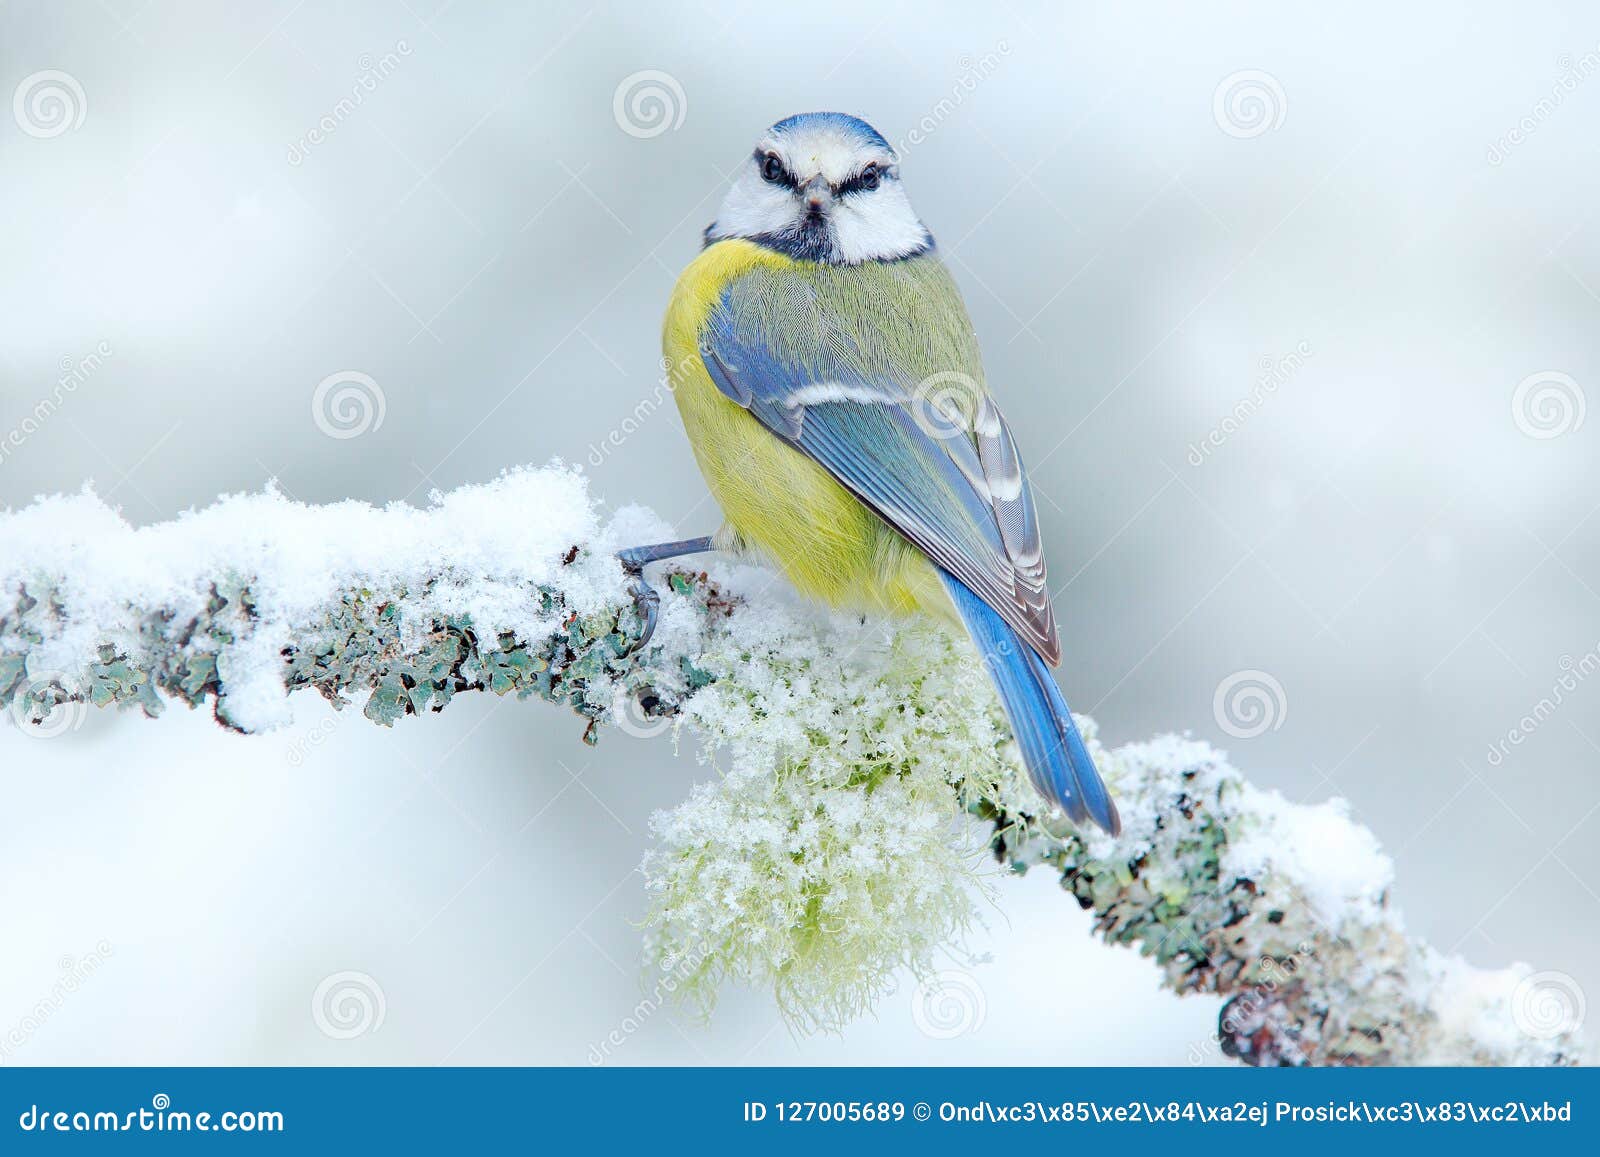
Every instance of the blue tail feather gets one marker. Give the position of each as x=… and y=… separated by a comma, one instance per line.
x=1054, y=751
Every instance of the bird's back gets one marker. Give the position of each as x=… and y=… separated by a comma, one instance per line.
x=903, y=320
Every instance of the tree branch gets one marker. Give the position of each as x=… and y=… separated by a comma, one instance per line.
x=824, y=859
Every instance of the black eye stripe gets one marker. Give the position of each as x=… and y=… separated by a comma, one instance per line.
x=861, y=181
x=782, y=177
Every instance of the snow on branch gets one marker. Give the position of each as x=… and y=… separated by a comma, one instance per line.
x=857, y=762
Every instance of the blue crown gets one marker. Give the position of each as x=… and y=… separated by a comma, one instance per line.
x=842, y=122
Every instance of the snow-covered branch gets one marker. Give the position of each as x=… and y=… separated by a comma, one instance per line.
x=858, y=762
x=505, y=587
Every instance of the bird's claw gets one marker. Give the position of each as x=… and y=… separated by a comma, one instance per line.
x=646, y=602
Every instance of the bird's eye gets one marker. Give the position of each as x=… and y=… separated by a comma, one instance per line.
x=772, y=168
x=869, y=177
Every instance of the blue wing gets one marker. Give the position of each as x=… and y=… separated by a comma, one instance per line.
x=946, y=476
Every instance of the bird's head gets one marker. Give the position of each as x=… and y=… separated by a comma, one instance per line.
x=822, y=186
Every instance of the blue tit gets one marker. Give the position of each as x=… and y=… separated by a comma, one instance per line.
x=829, y=380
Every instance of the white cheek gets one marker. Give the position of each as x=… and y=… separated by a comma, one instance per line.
x=881, y=224
x=755, y=206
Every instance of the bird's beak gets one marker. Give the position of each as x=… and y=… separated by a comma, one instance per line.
x=816, y=193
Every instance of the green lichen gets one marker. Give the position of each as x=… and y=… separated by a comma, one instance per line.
x=365, y=646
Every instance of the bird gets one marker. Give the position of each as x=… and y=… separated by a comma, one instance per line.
x=829, y=379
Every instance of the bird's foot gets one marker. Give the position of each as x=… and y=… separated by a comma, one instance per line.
x=645, y=599
x=646, y=602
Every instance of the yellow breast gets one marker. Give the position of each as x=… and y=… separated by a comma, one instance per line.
x=776, y=499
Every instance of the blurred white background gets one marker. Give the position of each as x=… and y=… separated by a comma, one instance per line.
x=1399, y=200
